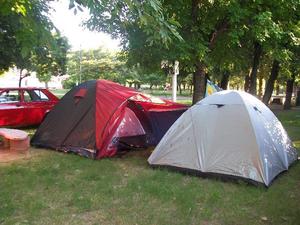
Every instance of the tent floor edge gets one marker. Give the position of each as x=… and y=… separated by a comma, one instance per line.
x=205, y=175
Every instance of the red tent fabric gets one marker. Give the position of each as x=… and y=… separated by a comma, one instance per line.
x=96, y=117
x=110, y=103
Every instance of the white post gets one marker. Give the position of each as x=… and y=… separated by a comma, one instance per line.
x=174, y=81
x=80, y=65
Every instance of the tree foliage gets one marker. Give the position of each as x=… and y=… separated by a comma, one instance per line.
x=29, y=40
x=93, y=64
x=119, y=17
x=104, y=64
x=51, y=61
x=225, y=40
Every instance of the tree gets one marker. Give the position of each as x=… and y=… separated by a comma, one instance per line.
x=117, y=17
x=153, y=79
x=51, y=61
x=28, y=41
x=271, y=81
x=95, y=64
x=293, y=71
x=283, y=50
x=202, y=25
x=229, y=29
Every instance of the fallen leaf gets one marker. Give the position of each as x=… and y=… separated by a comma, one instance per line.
x=264, y=218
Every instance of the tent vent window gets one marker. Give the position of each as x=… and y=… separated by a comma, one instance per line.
x=218, y=105
x=256, y=109
x=81, y=93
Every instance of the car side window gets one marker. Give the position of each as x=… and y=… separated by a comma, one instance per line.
x=34, y=96
x=10, y=96
x=27, y=96
x=42, y=96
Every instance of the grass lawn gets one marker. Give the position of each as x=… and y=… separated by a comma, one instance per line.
x=59, y=92
x=57, y=188
x=158, y=92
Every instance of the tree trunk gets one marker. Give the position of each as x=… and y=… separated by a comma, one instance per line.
x=289, y=92
x=298, y=97
x=260, y=86
x=277, y=89
x=179, y=88
x=255, y=64
x=199, y=83
x=225, y=80
x=247, y=82
x=20, y=78
x=199, y=74
x=270, y=83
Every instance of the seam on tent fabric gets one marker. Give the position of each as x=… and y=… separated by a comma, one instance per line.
x=256, y=136
x=109, y=119
x=218, y=104
x=95, y=116
x=77, y=123
x=108, y=90
x=269, y=135
x=267, y=172
x=194, y=134
x=286, y=134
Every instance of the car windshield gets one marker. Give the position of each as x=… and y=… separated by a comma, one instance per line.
x=9, y=96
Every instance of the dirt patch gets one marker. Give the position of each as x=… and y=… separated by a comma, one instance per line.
x=142, y=153
x=7, y=156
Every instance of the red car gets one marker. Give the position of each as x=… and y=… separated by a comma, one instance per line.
x=20, y=107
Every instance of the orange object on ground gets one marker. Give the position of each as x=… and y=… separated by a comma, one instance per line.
x=12, y=139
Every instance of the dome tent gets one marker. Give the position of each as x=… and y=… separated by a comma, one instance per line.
x=100, y=117
x=230, y=133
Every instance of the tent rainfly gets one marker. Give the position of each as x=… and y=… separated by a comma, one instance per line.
x=98, y=118
x=229, y=133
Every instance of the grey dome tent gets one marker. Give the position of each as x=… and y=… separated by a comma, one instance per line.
x=231, y=133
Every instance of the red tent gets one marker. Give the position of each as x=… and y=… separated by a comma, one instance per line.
x=98, y=118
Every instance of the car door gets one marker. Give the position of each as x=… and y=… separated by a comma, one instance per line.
x=11, y=108
x=36, y=104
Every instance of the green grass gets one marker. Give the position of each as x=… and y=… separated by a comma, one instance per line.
x=187, y=102
x=291, y=121
x=158, y=92
x=59, y=92
x=58, y=188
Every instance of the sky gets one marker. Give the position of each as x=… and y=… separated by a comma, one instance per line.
x=78, y=36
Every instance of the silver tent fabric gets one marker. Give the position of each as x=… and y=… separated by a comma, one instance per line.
x=229, y=132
